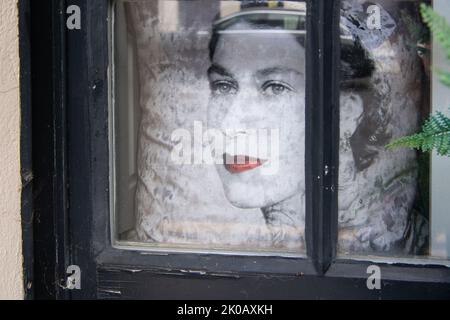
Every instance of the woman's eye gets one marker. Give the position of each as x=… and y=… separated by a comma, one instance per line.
x=223, y=87
x=276, y=88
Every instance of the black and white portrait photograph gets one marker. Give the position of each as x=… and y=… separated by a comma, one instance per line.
x=218, y=112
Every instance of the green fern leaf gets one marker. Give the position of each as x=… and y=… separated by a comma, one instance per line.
x=414, y=141
x=438, y=26
x=435, y=135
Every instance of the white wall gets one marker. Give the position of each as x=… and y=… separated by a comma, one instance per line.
x=10, y=185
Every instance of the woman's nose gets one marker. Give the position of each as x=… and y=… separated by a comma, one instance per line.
x=243, y=112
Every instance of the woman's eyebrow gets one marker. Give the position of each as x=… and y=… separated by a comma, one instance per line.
x=273, y=70
x=216, y=68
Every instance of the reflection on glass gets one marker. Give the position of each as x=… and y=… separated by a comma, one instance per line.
x=440, y=166
x=384, y=206
x=220, y=93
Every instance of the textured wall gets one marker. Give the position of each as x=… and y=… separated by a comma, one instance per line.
x=10, y=185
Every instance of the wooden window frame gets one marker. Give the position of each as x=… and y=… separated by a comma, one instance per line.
x=66, y=198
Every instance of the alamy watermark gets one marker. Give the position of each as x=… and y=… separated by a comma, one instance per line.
x=73, y=281
x=74, y=19
x=374, y=17
x=259, y=147
x=374, y=280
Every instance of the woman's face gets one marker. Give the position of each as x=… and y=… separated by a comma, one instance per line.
x=257, y=103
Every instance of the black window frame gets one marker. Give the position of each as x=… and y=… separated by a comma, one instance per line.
x=65, y=100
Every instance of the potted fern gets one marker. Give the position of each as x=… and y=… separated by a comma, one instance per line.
x=435, y=133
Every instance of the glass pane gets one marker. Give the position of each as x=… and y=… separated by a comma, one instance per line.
x=209, y=124
x=385, y=204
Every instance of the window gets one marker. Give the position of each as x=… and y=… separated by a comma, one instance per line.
x=388, y=199
x=210, y=124
x=207, y=159
x=236, y=149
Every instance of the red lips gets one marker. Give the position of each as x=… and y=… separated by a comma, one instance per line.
x=241, y=163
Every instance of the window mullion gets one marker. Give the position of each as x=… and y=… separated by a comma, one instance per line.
x=322, y=132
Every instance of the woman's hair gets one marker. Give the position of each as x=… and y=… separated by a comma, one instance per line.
x=357, y=74
x=357, y=69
